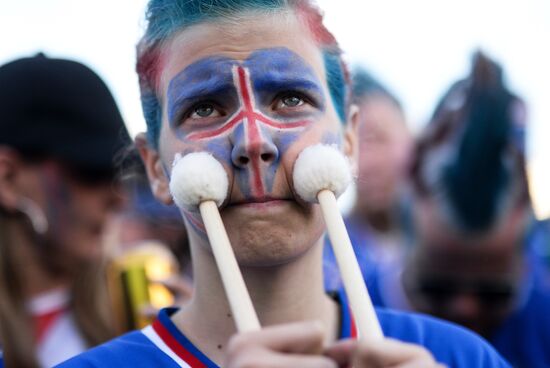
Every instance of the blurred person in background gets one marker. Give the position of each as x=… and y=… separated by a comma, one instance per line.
x=60, y=130
x=149, y=235
x=470, y=261
x=385, y=145
x=143, y=218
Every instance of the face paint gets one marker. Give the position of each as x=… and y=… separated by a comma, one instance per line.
x=249, y=122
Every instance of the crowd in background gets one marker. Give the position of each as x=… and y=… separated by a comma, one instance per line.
x=443, y=222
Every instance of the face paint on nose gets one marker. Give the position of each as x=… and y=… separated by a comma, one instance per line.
x=253, y=137
x=253, y=149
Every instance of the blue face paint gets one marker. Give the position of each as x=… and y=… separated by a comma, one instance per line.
x=209, y=79
x=331, y=138
x=247, y=114
x=279, y=70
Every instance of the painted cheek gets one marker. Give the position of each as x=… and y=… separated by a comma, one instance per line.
x=196, y=223
x=332, y=138
x=220, y=148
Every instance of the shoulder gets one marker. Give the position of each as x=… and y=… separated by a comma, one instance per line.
x=524, y=336
x=133, y=349
x=449, y=343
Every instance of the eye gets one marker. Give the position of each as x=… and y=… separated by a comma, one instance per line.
x=289, y=101
x=292, y=101
x=204, y=110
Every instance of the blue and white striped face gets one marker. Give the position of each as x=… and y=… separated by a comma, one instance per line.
x=255, y=101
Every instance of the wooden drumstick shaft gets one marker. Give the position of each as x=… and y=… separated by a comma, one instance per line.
x=233, y=282
x=356, y=290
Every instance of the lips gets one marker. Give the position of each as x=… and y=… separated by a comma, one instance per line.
x=258, y=200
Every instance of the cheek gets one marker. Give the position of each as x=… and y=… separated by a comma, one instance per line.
x=58, y=202
x=219, y=147
x=318, y=132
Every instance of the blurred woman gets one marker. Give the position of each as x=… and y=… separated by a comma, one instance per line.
x=59, y=131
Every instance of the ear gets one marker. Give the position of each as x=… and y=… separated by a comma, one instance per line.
x=10, y=166
x=351, y=141
x=158, y=179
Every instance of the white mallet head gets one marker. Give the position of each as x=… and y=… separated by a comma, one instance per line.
x=321, y=167
x=197, y=177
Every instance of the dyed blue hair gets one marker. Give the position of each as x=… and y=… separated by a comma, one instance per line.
x=481, y=149
x=476, y=180
x=166, y=17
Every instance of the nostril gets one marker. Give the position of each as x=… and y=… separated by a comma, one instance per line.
x=243, y=160
x=266, y=157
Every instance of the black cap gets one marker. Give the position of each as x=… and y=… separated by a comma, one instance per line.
x=60, y=109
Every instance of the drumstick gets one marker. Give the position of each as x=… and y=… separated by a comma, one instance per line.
x=199, y=180
x=321, y=173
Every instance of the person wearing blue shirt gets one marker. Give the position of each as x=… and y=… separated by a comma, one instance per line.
x=384, y=149
x=254, y=83
x=471, y=261
x=164, y=344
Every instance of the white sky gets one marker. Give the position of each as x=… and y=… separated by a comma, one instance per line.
x=417, y=48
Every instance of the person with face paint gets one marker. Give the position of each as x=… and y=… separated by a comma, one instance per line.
x=470, y=262
x=385, y=144
x=254, y=83
x=59, y=131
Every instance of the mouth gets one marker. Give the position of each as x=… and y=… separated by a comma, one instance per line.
x=259, y=201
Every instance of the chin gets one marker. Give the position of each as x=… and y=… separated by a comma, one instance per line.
x=264, y=244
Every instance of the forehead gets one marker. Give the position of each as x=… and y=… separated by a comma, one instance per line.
x=380, y=113
x=433, y=231
x=467, y=261
x=237, y=40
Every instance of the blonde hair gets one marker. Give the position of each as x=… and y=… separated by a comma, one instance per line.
x=89, y=303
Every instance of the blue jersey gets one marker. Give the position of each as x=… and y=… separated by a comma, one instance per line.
x=537, y=246
x=163, y=345
x=523, y=338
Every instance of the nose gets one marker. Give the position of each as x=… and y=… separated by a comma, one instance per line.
x=252, y=146
x=466, y=306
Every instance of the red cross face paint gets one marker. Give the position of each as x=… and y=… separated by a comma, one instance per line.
x=247, y=114
x=254, y=103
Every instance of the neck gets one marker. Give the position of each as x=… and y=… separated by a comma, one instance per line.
x=280, y=294
x=34, y=276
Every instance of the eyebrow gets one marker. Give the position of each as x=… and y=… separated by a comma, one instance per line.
x=184, y=90
x=276, y=80
x=200, y=80
x=280, y=69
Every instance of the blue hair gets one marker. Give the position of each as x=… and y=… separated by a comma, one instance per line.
x=165, y=17
x=336, y=80
x=475, y=181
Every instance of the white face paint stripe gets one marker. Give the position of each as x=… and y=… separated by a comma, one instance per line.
x=150, y=333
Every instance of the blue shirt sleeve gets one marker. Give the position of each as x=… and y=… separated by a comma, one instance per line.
x=130, y=350
x=449, y=343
